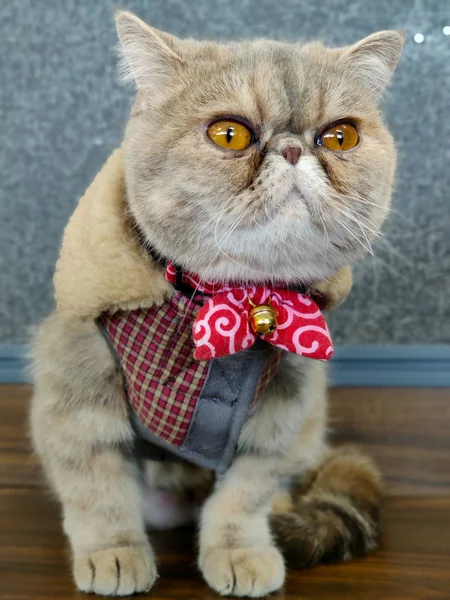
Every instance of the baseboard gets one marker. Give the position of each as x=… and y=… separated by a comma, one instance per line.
x=391, y=366
x=371, y=366
x=13, y=364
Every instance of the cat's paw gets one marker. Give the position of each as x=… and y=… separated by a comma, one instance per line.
x=117, y=571
x=253, y=572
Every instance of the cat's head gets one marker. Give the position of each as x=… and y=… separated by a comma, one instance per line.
x=258, y=160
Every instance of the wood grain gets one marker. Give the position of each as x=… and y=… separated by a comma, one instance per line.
x=18, y=466
x=406, y=430
x=411, y=564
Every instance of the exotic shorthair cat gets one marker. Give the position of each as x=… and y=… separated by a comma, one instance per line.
x=247, y=163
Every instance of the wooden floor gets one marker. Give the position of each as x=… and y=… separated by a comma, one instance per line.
x=407, y=431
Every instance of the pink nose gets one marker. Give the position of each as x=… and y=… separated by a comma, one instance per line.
x=291, y=154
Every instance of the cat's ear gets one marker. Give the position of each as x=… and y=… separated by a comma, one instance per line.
x=149, y=57
x=374, y=58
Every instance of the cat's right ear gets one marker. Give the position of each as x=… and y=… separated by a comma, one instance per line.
x=149, y=57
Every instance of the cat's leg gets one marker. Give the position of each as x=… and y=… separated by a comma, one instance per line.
x=79, y=427
x=237, y=553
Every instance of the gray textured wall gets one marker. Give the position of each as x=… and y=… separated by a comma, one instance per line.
x=62, y=112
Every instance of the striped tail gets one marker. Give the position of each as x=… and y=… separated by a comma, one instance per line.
x=333, y=514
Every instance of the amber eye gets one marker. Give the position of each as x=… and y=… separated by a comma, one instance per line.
x=343, y=136
x=230, y=134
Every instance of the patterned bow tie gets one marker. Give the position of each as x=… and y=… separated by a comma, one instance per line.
x=233, y=318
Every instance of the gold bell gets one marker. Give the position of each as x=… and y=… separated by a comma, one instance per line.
x=263, y=318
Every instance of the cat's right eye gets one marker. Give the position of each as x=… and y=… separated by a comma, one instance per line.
x=230, y=134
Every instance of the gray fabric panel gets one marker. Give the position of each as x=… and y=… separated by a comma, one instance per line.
x=63, y=111
x=223, y=405
x=220, y=412
x=210, y=430
x=145, y=434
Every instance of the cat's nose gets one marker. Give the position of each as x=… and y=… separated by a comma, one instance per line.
x=291, y=154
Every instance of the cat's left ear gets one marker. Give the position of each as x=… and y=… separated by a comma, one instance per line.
x=150, y=57
x=374, y=58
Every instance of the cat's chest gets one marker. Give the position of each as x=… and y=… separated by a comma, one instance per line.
x=192, y=409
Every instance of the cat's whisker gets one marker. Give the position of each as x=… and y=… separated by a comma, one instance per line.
x=362, y=227
x=392, y=269
x=375, y=231
x=326, y=244
x=382, y=240
x=355, y=237
x=390, y=210
x=363, y=233
x=394, y=251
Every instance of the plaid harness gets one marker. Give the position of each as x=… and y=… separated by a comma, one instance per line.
x=193, y=409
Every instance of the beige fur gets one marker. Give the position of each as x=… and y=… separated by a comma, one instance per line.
x=246, y=217
x=333, y=291
x=101, y=265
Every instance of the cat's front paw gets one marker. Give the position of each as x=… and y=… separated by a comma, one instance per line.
x=117, y=571
x=254, y=571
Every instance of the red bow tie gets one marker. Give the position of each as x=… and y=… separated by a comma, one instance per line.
x=233, y=318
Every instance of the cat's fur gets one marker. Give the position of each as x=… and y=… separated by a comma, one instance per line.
x=270, y=220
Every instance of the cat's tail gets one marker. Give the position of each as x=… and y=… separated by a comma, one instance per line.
x=334, y=514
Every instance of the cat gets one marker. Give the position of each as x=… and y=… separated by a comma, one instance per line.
x=245, y=162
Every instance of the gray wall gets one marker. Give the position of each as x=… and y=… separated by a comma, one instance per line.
x=62, y=112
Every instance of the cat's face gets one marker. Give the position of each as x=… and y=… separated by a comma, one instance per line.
x=234, y=166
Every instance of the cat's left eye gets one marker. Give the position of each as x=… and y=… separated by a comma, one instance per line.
x=343, y=136
x=230, y=134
